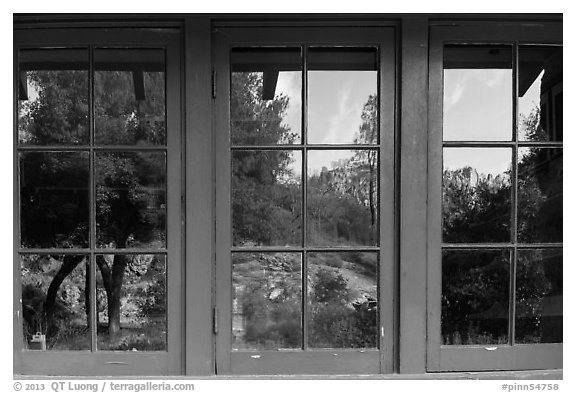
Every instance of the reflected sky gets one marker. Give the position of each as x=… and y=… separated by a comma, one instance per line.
x=486, y=161
x=336, y=100
x=335, y=103
x=531, y=99
x=290, y=85
x=477, y=104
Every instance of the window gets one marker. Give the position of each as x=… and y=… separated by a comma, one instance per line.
x=97, y=243
x=501, y=201
x=301, y=262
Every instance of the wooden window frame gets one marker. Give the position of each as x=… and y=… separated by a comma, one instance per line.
x=472, y=357
x=415, y=331
x=92, y=362
x=316, y=361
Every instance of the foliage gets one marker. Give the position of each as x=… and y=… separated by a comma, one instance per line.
x=477, y=209
x=130, y=187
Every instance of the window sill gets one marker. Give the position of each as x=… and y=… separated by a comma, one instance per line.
x=556, y=374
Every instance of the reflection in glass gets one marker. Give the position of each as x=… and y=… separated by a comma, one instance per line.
x=540, y=94
x=266, y=198
x=265, y=96
x=539, y=296
x=55, y=302
x=130, y=96
x=342, y=197
x=130, y=199
x=54, y=199
x=267, y=304
x=476, y=205
x=53, y=96
x=477, y=93
x=540, y=195
x=475, y=292
x=343, y=300
x=131, y=295
x=342, y=95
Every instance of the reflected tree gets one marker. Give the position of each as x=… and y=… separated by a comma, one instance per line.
x=129, y=213
x=476, y=209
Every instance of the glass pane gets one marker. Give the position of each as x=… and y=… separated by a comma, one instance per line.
x=131, y=199
x=266, y=198
x=343, y=198
x=53, y=97
x=54, y=201
x=265, y=96
x=131, y=293
x=343, y=300
x=477, y=93
x=476, y=205
x=130, y=96
x=539, y=296
x=540, y=195
x=475, y=293
x=267, y=301
x=540, y=94
x=343, y=95
x=55, y=302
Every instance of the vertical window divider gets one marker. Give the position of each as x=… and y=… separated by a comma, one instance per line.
x=304, y=181
x=379, y=198
x=514, y=197
x=92, y=201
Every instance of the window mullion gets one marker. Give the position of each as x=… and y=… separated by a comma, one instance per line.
x=92, y=201
x=304, y=197
x=514, y=198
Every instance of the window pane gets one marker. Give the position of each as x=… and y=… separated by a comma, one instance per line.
x=267, y=301
x=475, y=292
x=540, y=195
x=266, y=198
x=130, y=97
x=54, y=201
x=477, y=93
x=53, y=97
x=343, y=300
x=265, y=96
x=343, y=198
x=131, y=292
x=476, y=205
x=540, y=94
x=539, y=296
x=342, y=95
x=131, y=199
x=55, y=302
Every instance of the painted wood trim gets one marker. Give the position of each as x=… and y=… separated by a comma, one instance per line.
x=413, y=183
x=545, y=32
x=199, y=197
x=94, y=363
x=434, y=211
x=517, y=357
x=388, y=186
x=306, y=362
x=223, y=223
x=175, y=281
x=18, y=334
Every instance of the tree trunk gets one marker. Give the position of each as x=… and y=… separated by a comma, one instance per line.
x=373, y=192
x=69, y=263
x=114, y=294
x=87, y=302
